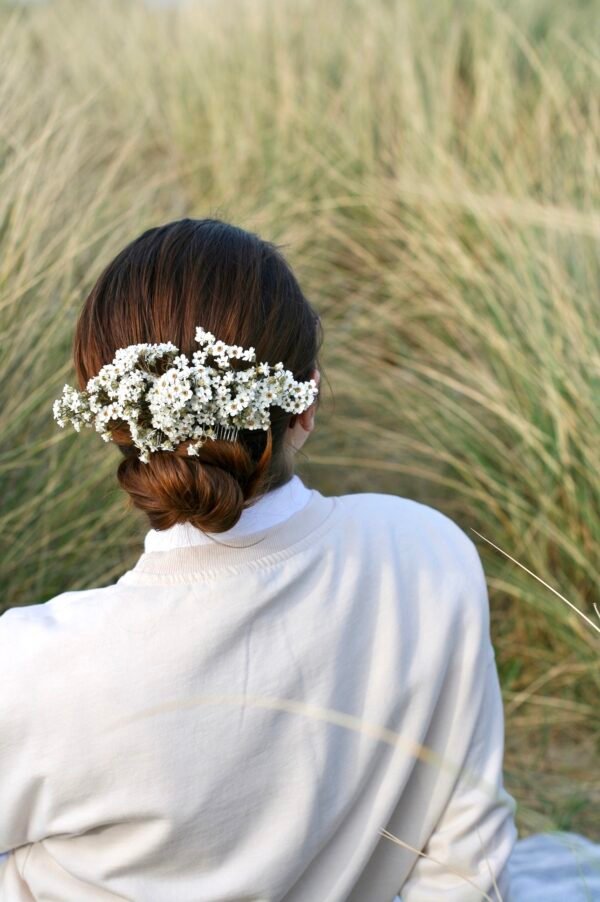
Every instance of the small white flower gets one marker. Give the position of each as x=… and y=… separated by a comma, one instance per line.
x=233, y=407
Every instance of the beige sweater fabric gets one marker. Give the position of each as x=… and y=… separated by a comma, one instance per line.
x=239, y=722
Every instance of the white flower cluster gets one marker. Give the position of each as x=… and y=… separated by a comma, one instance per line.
x=167, y=399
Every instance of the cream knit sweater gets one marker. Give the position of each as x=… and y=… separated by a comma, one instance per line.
x=219, y=725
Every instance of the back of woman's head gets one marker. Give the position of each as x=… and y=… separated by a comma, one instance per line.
x=160, y=288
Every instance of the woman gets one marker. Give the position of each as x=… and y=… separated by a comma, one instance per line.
x=290, y=695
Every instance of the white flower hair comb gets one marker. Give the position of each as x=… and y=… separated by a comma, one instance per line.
x=182, y=401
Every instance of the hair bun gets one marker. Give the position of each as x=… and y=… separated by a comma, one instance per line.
x=209, y=490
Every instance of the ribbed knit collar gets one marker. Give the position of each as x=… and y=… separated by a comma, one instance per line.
x=256, y=549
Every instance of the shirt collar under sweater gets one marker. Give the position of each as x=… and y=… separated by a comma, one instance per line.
x=257, y=549
x=269, y=510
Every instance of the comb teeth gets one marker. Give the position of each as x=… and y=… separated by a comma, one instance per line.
x=226, y=433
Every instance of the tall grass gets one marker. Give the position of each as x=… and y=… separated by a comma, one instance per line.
x=432, y=172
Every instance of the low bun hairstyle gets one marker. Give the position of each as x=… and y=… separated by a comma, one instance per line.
x=173, y=278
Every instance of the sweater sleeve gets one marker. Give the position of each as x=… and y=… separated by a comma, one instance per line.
x=476, y=832
x=24, y=789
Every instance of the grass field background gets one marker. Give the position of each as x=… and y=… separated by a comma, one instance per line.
x=432, y=173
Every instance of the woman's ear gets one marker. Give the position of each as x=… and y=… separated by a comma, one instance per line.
x=307, y=418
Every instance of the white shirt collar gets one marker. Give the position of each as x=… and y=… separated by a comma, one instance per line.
x=273, y=508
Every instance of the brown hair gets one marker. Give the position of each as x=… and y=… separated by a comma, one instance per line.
x=165, y=283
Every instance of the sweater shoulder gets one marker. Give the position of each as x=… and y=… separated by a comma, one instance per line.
x=406, y=518
x=28, y=633
x=428, y=542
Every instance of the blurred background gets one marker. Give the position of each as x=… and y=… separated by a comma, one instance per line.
x=431, y=171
